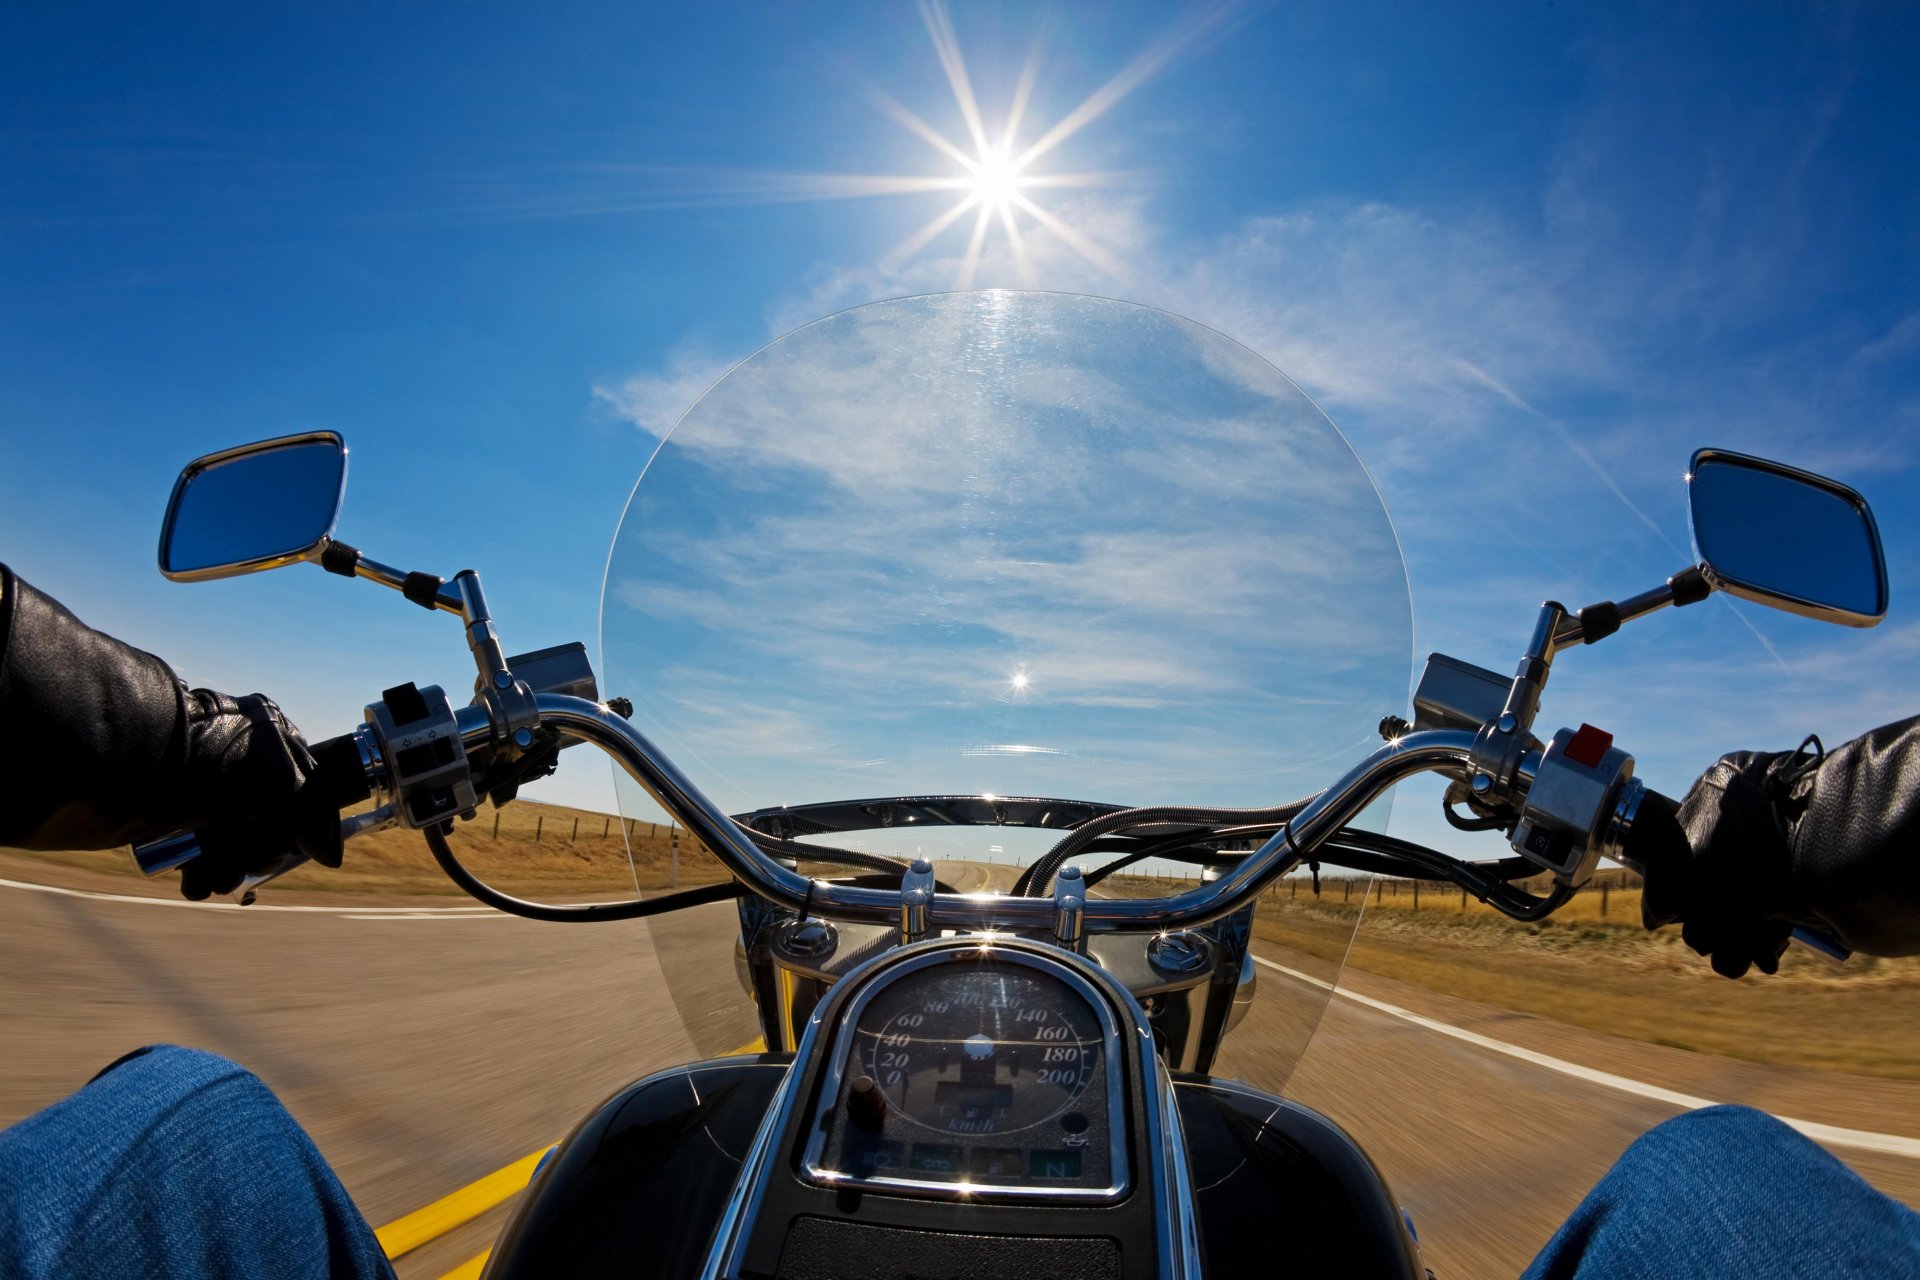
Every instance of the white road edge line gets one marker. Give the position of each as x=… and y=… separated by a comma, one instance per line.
x=1834, y=1135
x=366, y=913
x=425, y=913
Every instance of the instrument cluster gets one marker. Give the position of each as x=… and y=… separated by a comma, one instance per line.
x=978, y=1072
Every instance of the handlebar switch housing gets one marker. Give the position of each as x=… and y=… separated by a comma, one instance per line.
x=426, y=761
x=1570, y=807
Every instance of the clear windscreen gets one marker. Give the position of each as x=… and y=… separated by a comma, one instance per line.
x=1002, y=545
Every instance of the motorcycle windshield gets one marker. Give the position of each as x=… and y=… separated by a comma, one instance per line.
x=1004, y=545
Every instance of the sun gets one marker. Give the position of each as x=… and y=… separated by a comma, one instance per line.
x=999, y=177
x=994, y=177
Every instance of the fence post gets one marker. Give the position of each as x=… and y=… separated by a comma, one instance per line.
x=1296, y=888
x=1463, y=897
x=1348, y=895
x=576, y=831
x=1416, y=895
x=606, y=827
x=675, y=836
x=496, y=824
x=539, y=820
x=1603, y=897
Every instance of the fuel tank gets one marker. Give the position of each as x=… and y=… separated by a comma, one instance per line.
x=636, y=1189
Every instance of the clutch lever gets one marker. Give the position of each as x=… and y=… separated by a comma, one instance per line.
x=170, y=853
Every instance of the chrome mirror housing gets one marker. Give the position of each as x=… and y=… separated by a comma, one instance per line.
x=259, y=506
x=1786, y=538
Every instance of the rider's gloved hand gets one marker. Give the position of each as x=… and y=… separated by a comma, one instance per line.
x=105, y=746
x=1721, y=862
x=249, y=778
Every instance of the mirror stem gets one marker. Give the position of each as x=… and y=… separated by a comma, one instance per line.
x=423, y=589
x=1598, y=621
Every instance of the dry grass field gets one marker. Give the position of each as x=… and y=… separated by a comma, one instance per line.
x=1610, y=975
x=1592, y=965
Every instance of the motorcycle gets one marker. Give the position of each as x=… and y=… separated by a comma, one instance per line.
x=1074, y=593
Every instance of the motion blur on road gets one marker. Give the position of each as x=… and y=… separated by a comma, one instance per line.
x=426, y=1043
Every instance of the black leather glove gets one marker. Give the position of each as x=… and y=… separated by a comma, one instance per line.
x=105, y=746
x=1721, y=863
x=249, y=773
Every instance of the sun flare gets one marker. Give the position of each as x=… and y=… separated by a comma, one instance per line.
x=1001, y=163
x=994, y=178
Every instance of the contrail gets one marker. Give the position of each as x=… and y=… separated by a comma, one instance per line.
x=1579, y=450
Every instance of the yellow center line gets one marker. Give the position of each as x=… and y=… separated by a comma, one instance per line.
x=470, y=1269
x=403, y=1235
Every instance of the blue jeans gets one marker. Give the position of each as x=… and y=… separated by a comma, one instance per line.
x=173, y=1162
x=1729, y=1191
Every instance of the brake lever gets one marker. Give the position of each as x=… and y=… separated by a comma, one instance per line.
x=170, y=853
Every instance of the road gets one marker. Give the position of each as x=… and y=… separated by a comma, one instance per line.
x=426, y=1050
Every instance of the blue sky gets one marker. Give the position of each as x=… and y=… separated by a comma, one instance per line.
x=1527, y=257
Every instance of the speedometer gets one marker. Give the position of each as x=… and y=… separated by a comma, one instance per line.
x=991, y=1071
x=985, y=1051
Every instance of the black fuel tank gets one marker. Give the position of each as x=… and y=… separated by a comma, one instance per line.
x=635, y=1191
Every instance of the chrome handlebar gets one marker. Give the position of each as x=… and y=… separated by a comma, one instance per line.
x=1446, y=750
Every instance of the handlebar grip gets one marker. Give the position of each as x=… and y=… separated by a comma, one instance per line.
x=339, y=772
x=1655, y=835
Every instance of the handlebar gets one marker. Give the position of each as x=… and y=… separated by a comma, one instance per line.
x=1447, y=750
x=1648, y=826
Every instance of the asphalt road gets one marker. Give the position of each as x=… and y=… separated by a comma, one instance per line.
x=423, y=1052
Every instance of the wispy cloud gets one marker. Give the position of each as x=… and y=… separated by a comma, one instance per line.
x=654, y=400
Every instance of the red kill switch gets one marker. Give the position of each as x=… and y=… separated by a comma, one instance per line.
x=1588, y=745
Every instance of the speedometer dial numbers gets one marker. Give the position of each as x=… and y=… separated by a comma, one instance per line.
x=982, y=1072
x=973, y=1053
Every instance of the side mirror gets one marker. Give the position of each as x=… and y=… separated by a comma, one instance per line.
x=1786, y=538
x=256, y=507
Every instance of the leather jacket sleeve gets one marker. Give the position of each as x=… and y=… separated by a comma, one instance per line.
x=1831, y=841
x=1856, y=847
x=94, y=730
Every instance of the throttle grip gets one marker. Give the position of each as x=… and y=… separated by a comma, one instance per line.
x=1657, y=833
x=340, y=771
